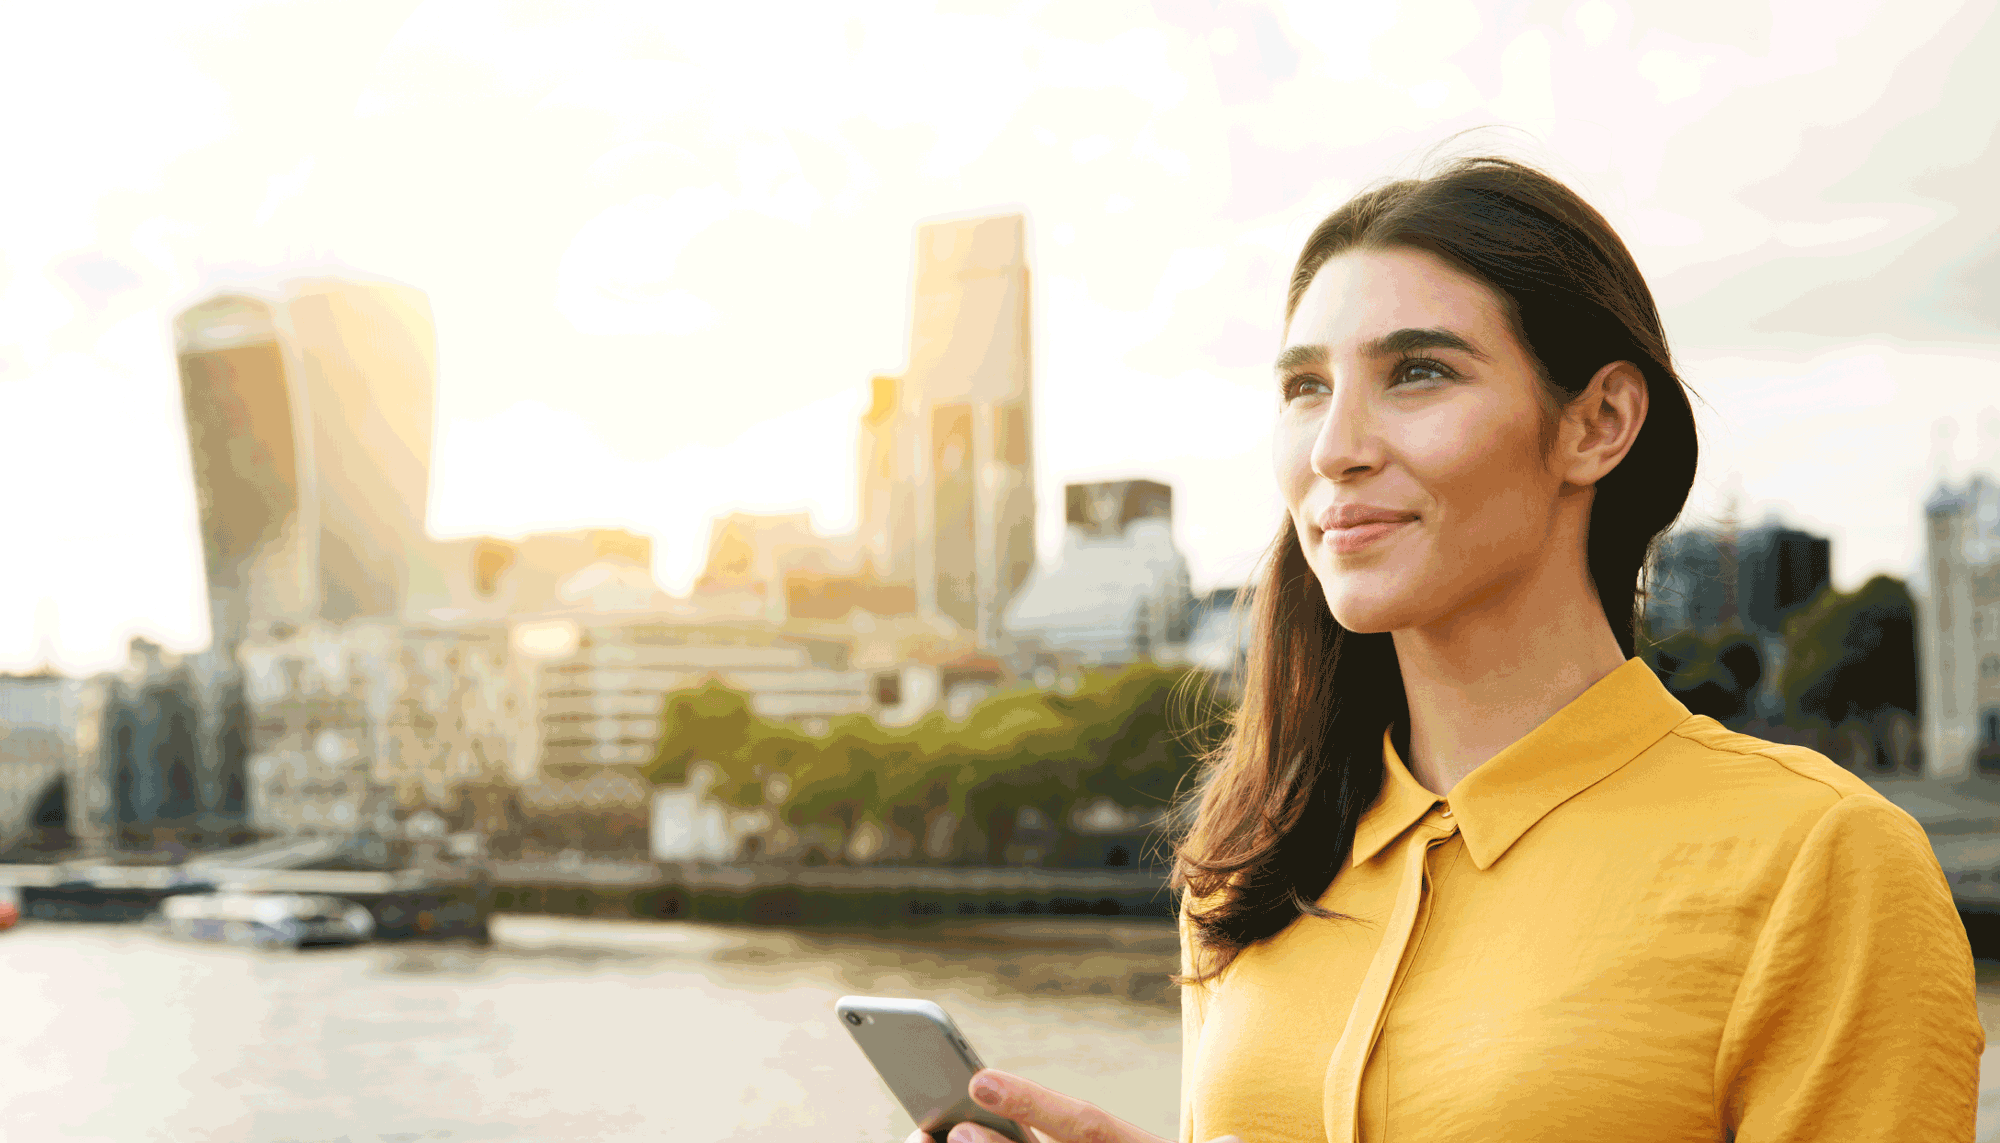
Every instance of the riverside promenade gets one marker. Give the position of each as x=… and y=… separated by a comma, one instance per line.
x=453, y=899
x=771, y=892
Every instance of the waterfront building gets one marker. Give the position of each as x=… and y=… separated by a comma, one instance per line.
x=159, y=754
x=601, y=681
x=597, y=669
x=947, y=499
x=1119, y=589
x=38, y=716
x=1958, y=629
x=367, y=726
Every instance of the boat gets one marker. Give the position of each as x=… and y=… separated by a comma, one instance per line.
x=283, y=920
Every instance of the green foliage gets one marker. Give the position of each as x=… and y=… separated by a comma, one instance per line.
x=1712, y=672
x=710, y=722
x=1851, y=654
x=1846, y=655
x=1130, y=735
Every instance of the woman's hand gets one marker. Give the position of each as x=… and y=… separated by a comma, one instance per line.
x=1052, y=1116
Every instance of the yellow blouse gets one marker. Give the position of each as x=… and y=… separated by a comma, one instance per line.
x=1631, y=926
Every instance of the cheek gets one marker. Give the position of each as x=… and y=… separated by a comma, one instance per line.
x=1484, y=480
x=1291, y=461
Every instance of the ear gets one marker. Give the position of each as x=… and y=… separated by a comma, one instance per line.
x=1600, y=424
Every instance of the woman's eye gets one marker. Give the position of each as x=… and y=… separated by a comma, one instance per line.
x=1304, y=386
x=1418, y=369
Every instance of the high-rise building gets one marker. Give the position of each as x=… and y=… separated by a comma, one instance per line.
x=309, y=417
x=1958, y=629
x=947, y=472
x=1685, y=589
x=1752, y=579
x=1781, y=570
x=888, y=511
x=1778, y=570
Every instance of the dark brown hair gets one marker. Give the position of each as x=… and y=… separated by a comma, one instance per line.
x=1273, y=817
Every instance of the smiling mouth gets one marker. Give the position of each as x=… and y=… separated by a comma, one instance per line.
x=1363, y=535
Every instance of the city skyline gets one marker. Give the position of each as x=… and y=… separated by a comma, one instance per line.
x=608, y=217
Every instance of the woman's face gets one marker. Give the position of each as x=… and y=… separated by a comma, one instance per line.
x=1410, y=442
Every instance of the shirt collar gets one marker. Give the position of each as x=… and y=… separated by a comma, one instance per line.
x=1599, y=731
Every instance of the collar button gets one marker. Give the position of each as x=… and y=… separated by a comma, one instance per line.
x=1447, y=811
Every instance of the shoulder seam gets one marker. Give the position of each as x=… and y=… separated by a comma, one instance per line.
x=1766, y=750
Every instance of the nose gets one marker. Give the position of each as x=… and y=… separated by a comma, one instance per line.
x=1347, y=444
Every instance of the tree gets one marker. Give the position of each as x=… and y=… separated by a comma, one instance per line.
x=1711, y=673
x=1852, y=654
x=709, y=723
x=1125, y=735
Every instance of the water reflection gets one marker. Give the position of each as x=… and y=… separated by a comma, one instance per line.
x=562, y=1030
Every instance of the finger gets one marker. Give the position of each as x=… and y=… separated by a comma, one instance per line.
x=1058, y=1116
x=970, y=1132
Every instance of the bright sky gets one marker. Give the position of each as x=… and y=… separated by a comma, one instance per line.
x=667, y=245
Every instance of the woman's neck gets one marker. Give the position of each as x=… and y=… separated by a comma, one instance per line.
x=1480, y=681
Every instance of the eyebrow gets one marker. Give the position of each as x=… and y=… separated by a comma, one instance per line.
x=1397, y=344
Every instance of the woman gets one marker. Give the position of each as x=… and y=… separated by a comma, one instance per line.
x=1465, y=870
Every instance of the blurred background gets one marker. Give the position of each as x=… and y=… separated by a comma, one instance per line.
x=627, y=522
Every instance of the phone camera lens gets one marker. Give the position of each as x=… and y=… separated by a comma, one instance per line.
x=854, y=1018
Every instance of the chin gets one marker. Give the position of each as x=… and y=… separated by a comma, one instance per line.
x=1368, y=613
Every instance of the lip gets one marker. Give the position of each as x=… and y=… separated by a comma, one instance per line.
x=1352, y=527
x=1361, y=535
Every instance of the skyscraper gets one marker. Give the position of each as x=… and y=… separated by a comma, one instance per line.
x=947, y=477
x=309, y=418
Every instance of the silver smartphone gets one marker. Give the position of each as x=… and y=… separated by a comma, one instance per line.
x=924, y=1059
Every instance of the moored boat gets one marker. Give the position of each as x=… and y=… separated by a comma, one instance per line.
x=269, y=919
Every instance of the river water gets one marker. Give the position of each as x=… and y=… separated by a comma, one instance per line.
x=561, y=1030
x=577, y=1030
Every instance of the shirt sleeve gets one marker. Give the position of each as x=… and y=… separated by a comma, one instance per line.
x=1857, y=1015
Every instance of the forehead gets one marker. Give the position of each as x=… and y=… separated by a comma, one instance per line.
x=1361, y=295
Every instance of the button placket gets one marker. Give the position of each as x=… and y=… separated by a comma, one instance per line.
x=1364, y=1022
